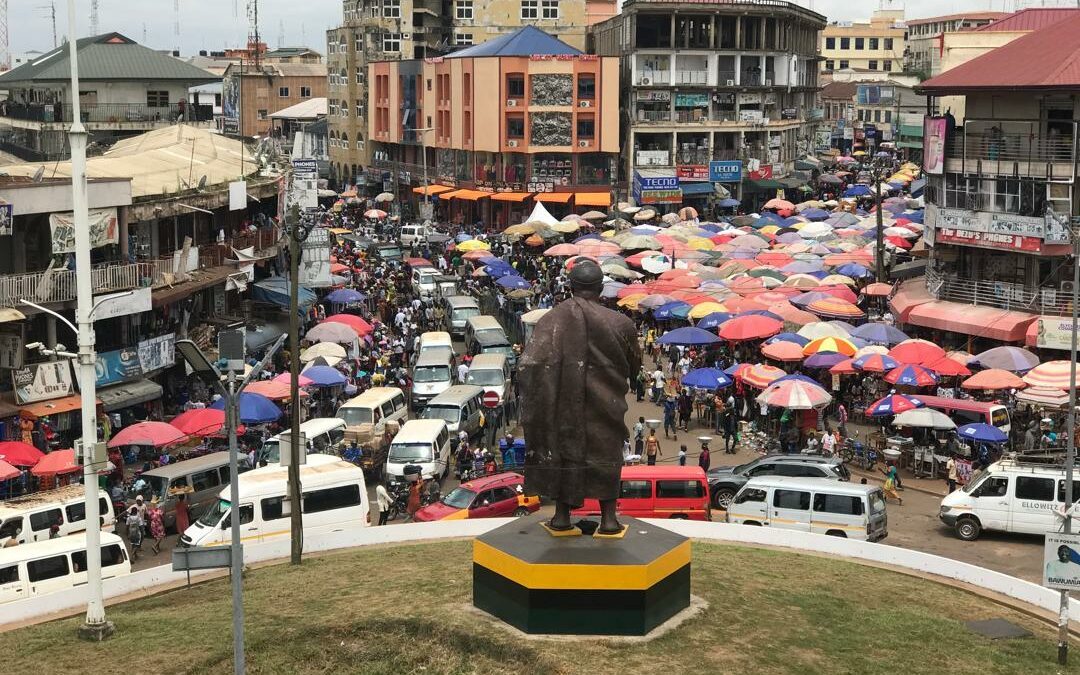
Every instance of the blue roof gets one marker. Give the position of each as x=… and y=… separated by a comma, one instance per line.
x=525, y=42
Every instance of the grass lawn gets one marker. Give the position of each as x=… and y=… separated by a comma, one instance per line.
x=399, y=610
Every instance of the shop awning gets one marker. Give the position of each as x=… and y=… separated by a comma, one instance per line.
x=697, y=189
x=510, y=196
x=200, y=279
x=911, y=294
x=129, y=394
x=468, y=195
x=599, y=199
x=991, y=322
x=554, y=197
x=56, y=406
x=762, y=184
x=431, y=189
x=908, y=270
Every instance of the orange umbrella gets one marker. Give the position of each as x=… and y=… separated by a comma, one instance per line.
x=760, y=375
x=55, y=463
x=917, y=351
x=993, y=379
x=835, y=308
x=878, y=289
x=783, y=351
x=275, y=391
x=830, y=344
x=792, y=314
x=845, y=367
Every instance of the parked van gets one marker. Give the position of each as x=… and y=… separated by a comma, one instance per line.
x=965, y=411
x=816, y=505
x=458, y=310
x=425, y=443
x=529, y=321
x=482, y=325
x=324, y=436
x=56, y=565
x=460, y=407
x=492, y=372
x=446, y=286
x=433, y=341
x=334, y=499
x=200, y=479
x=431, y=376
x=369, y=417
x=413, y=234
x=28, y=518
x=423, y=280
x=679, y=492
x=1009, y=496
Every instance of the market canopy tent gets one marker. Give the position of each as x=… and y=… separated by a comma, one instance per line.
x=541, y=215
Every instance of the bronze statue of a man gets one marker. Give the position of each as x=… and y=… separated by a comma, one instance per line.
x=574, y=375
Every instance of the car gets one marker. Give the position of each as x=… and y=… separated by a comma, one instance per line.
x=497, y=496
x=725, y=481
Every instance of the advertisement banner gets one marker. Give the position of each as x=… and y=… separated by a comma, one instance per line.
x=691, y=100
x=660, y=197
x=1061, y=560
x=315, y=259
x=104, y=230
x=763, y=173
x=934, y=132
x=1007, y=223
x=121, y=304
x=692, y=172
x=6, y=216
x=656, y=182
x=117, y=366
x=1054, y=333
x=1009, y=242
x=654, y=95
x=230, y=104
x=157, y=352
x=1056, y=227
x=725, y=171
x=11, y=345
x=42, y=381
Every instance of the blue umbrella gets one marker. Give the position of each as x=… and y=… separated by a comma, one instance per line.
x=853, y=270
x=324, y=376
x=788, y=337
x=761, y=312
x=729, y=203
x=513, y=282
x=886, y=362
x=498, y=268
x=894, y=404
x=706, y=378
x=254, y=408
x=713, y=321
x=688, y=335
x=879, y=333
x=813, y=214
x=915, y=217
x=982, y=433
x=346, y=296
x=858, y=191
x=667, y=311
x=462, y=237
x=732, y=369
x=810, y=296
x=823, y=360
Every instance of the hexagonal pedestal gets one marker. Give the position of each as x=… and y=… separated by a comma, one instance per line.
x=578, y=585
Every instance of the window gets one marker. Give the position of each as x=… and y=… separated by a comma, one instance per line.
x=283, y=92
x=515, y=86
x=750, y=495
x=463, y=10
x=997, y=486
x=391, y=42
x=679, y=489
x=860, y=43
x=529, y=9
x=766, y=469
x=549, y=9
x=77, y=512
x=843, y=64
x=841, y=504
x=47, y=568
x=13, y=526
x=273, y=508
x=157, y=99
x=877, y=115
x=829, y=64
x=1038, y=489
x=830, y=43
x=305, y=92
x=515, y=126
x=463, y=38
x=874, y=43
x=262, y=114
x=247, y=514
x=207, y=479
x=1061, y=490
x=792, y=499
x=332, y=498
x=586, y=127
x=359, y=110
x=635, y=489
x=217, y=100
x=888, y=116
x=224, y=473
x=871, y=64
x=799, y=471
x=888, y=44
x=110, y=555
x=391, y=9
x=845, y=43
x=43, y=520
x=9, y=575
x=358, y=44
x=888, y=66
x=586, y=86
x=359, y=75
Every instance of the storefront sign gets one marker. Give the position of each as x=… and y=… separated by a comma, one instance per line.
x=42, y=381
x=725, y=171
x=563, y=57
x=121, y=304
x=960, y=219
x=934, y=132
x=763, y=173
x=691, y=100
x=751, y=116
x=1054, y=333
x=1012, y=242
x=1006, y=223
x=315, y=259
x=656, y=182
x=104, y=230
x=654, y=95
x=659, y=197
x=540, y=186
x=789, y=114
x=157, y=352
x=692, y=172
x=117, y=366
x=11, y=345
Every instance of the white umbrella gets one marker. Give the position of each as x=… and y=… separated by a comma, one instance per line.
x=924, y=418
x=384, y=197
x=656, y=264
x=814, y=331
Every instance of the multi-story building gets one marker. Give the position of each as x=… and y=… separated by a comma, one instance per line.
x=282, y=78
x=1002, y=197
x=125, y=89
x=877, y=44
x=520, y=119
x=710, y=87
x=385, y=30
x=924, y=38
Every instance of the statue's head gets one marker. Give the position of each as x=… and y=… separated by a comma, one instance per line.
x=586, y=277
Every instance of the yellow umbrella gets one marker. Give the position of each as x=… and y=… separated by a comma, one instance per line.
x=700, y=243
x=770, y=229
x=566, y=227
x=519, y=230
x=838, y=279
x=474, y=245
x=704, y=309
x=607, y=234
x=830, y=344
x=799, y=226
x=631, y=301
x=339, y=230
x=858, y=153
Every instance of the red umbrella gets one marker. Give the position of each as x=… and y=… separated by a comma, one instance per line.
x=275, y=391
x=361, y=327
x=783, y=351
x=911, y=375
x=55, y=463
x=7, y=472
x=947, y=366
x=199, y=422
x=746, y=284
x=845, y=367
x=878, y=289
x=839, y=291
x=899, y=242
x=992, y=379
x=18, y=453
x=157, y=434
x=750, y=327
x=774, y=258
x=920, y=352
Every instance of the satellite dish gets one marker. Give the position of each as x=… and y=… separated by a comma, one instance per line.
x=39, y=174
x=202, y=182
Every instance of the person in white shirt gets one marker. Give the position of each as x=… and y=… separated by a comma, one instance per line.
x=828, y=443
x=658, y=384
x=462, y=372
x=382, y=497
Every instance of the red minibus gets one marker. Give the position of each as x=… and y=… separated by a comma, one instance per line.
x=659, y=492
x=965, y=411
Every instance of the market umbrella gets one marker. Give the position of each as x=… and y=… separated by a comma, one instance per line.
x=835, y=345
x=672, y=310
x=384, y=197
x=328, y=350
x=924, y=418
x=993, y=379
x=324, y=376
x=1044, y=396
x=357, y=323
x=713, y=321
x=878, y=290
x=7, y=471
x=917, y=352
x=893, y=404
x=18, y=453
x=513, y=282
x=911, y=375
x=332, y=331
x=875, y=363
x=824, y=360
x=474, y=245
x=688, y=335
x=879, y=333
x=845, y=367
x=286, y=377
x=1052, y=374
x=254, y=408
x=275, y=391
x=760, y=375
x=789, y=337
x=795, y=395
x=750, y=327
x=156, y=434
x=345, y=296
x=821, y=329
x=835, y=307
x=706, y=378
x=56, y=463
x=981, y=432
x=783, y=351
x=1016, y=359
x=199, y=421
x=948, y=367
x=563, y=250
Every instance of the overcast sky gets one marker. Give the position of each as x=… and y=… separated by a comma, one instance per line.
x=216, y=24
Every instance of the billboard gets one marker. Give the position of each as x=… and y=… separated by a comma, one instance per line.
x=230, y=104
x=934, y=132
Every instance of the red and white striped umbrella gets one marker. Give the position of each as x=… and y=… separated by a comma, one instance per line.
x=1052, y=374
x=761, y=375
x=795, y=395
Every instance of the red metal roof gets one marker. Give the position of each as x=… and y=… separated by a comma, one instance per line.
x=1030, y=19
x=972, y=16
x=1048, y=58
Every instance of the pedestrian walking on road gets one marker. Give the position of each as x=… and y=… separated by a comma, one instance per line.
x=682, y=455
x=157, y=525
x=669, y=418
x=382, y=498
x=890, y=484
x=652, y=447
x=134, y=532
x=951, y=475
x=183, y=516
x=704, y=459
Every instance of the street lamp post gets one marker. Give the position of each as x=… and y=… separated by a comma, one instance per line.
x=423, y=158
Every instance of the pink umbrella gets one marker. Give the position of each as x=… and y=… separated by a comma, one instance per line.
x=562, y=250
x=7, y=472
x=795, y=395
x=56, y=463
x=156, y=434
x=285, y=378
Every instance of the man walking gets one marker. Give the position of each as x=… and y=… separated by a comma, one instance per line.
x=652, y=448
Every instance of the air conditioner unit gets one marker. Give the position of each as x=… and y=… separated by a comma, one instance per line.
x=1067, y=287
x=406, y=36
x=511, y=144
x=585, y=104
x=645, y=81
x=583, y=144
x=768, y=83
x=731, y=83
x=511, y=103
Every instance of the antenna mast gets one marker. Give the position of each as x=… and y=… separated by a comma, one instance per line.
x=94, y=17
x=253, y=33
x=176, y=22
x=5, y=51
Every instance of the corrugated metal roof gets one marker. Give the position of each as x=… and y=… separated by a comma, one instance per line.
x=839, y=90
x=310, y=109
x=971, y=16
x=1030, y=19
x=107, y=57
x=1048, y=58
x=525, y=42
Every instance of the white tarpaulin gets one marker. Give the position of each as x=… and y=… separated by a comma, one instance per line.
x=540, y=214
x=104, y=230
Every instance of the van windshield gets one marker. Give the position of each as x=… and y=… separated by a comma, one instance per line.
x=410, y=452
x=488, y=378
x=448, y=413
x=465, y=313
x=506, y=350
x=271, y=451
x=432, y=374
x=355, y=415
x=974, y=481
x=437, y=349
x=156, y=485
x=215, y=513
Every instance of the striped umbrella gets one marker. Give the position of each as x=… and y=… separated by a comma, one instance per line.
x=911, y=375
x=836, y=345
x=875, y=363
x=835, y=307
x=1052, y=374
x=795, y=395
x=760, y=375
x=1044, y=396
x=894, y=404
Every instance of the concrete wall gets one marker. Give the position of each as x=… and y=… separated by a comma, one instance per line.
x=963, y=47
x=55, y=197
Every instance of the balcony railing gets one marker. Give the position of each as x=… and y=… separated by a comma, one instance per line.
x=110, y=113
x=59, y=285
x=654, y=77
x=1009, y=146
x=699, y=156
x=652, y=158
x=694, y=115
x=691, y=76
x=1000, y=294
x=725, y=76
x=654, y=116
